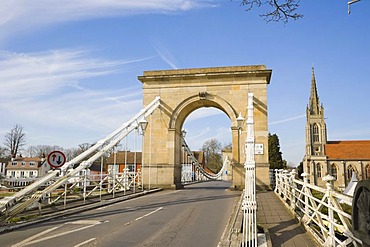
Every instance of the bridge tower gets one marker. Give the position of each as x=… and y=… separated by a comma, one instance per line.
x=183, y=91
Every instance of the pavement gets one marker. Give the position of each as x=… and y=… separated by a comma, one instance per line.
x=282, y=226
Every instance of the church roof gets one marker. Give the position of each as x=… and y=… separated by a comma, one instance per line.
x=348, y=150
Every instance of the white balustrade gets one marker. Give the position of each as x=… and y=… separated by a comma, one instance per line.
x=319, y=209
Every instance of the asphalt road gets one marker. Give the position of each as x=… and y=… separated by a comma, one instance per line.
x=194, y=216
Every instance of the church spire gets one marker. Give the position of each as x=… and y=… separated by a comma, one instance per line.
x=314, y=104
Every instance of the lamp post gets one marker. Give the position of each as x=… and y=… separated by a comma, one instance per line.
x=143, y=125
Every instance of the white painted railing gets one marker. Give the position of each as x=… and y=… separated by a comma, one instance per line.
x=319, y=209
x=249, y=204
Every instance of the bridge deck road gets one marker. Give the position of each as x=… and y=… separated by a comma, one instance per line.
x=194, y=216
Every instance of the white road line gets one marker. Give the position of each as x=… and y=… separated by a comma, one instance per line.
x=87, y=241
x=34, y=236
x=148, y=214
x=29, y=241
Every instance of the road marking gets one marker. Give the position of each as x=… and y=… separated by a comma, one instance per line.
x=148, y=214
x=34, y=236
x=84, y=222
x=87, y=241
x=101, y=208
x=29, y=241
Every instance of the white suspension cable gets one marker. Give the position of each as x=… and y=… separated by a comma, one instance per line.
x=100, y=148
x=200, y=167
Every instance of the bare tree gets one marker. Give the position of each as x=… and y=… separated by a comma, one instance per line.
x=212, y=153
x=3, y=152
x=40, y=150
x=284, y=10
x=15, y=140
x=70, y=153
x=84, y=146
x=281, y=10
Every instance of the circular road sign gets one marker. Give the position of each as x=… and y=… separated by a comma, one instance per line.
x=56, y=159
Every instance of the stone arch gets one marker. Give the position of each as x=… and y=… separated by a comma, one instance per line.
x=193, y=103
x=184, y=90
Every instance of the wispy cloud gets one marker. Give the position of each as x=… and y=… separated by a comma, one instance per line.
x=44, y=89
x=165, y=55
x=35, y=74
x=19, y=15
x=287, y=120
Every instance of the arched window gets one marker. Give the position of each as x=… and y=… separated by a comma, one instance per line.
x=333, y=171
x=315, y=133
x=367, y=172
x=308, y=169
x=350, y=171
x=318, y=170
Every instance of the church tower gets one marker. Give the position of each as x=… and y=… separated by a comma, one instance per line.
x=316, y=137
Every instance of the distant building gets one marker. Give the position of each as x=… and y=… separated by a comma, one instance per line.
x=3, y=162
x=133, y=161
x=339, y=158
x=117, y=162
x=21, y=171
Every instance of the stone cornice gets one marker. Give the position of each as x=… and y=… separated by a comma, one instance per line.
x=208, y=73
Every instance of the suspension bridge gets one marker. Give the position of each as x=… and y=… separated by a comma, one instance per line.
x=168, y=98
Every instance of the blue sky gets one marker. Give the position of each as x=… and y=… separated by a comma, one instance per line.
x=69, y=68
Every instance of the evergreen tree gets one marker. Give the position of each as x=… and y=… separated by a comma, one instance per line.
x=300, y=170
x=275, y=157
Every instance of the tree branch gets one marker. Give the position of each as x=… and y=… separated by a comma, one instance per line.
x=284, y=11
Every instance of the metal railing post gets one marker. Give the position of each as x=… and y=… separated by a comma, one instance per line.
x=285, y=185
x=331, y=239
x=276, y=180
x=304, y=190
x=292, y=189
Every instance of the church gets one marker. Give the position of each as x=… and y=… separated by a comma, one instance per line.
x=340, y=158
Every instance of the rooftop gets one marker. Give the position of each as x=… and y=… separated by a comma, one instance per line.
x=348, y=150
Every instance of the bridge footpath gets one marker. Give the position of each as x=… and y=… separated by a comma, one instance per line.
x=281, y=224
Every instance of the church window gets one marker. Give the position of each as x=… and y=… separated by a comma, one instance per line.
x=318, y=170
x=367, y=172
x=308, y=169
x=350, y=171
x=333, y=170
x=316, y=135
